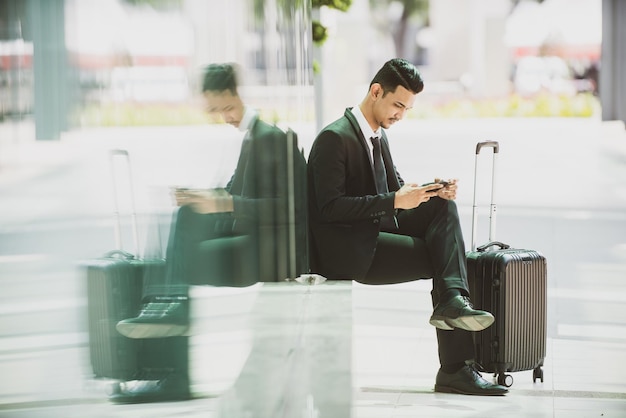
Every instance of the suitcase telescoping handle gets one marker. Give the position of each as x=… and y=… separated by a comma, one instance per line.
x=114, y=154
x=492, y=205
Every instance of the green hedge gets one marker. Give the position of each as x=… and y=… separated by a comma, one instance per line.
x=544, y=105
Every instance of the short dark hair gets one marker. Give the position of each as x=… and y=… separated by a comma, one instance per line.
x=399, y=72
x=220, y=77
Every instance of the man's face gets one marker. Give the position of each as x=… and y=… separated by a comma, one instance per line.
x=229, y=106
x=391, y=107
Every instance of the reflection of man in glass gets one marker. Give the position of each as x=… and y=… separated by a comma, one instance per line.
x=234, y=236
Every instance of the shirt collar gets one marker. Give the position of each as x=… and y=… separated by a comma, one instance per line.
x=364, y=125
x=249, y=115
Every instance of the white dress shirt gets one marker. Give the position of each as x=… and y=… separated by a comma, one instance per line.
x=366, y=129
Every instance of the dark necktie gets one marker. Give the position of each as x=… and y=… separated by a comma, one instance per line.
x=379, y=167
x=387, y=222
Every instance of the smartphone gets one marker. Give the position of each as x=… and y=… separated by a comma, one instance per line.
x=442, y=182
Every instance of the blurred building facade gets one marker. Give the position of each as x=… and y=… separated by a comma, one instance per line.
x=61, y=56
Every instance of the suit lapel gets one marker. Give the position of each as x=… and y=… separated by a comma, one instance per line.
x=362, y=140
x=392, y=176
x=237, y=185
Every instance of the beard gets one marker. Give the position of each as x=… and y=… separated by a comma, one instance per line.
x=387, y=123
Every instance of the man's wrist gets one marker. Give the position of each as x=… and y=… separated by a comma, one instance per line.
x=226, y=204
x=396, y=203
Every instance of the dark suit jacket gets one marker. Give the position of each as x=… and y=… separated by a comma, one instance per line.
x=344, y=208
x=266, y=184
x=259, y=181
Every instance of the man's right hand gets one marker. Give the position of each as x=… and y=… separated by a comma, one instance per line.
x=183, y=196
x=412, y=195
x=204, y=201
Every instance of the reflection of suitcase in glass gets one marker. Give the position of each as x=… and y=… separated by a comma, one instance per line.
x=511, y=284
x=114, y=290
x=114, y=286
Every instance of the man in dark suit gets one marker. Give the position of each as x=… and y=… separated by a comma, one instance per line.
x=368, y=225
x=235, y=236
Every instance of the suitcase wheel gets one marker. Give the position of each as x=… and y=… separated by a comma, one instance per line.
x=538, y=374
x=504, y=379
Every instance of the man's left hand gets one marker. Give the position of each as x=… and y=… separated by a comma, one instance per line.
x=448, y=192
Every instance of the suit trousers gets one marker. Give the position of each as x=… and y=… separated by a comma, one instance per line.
x=428, y=244
x=203, y=249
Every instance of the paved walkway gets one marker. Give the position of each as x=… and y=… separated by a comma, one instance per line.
x=327, y=351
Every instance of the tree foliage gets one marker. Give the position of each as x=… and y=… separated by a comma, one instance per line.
x=342, y=5
x=157, y=4
x=320, y=32
x=398, y=28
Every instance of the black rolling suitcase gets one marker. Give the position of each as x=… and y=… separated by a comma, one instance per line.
x=114, y=291
x=511, y=284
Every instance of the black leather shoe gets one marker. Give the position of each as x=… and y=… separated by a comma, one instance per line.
x=457, y=312
x=467, y=381
x=164, y=386
x=163, y=316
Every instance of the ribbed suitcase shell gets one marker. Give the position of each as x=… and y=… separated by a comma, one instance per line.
x=511, y=284
x=114, y=289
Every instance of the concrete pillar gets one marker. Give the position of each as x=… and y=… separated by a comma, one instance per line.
x=50, y=69
x=450, y=53
x=612, y=83
x=469, y=45
x=344, y=62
